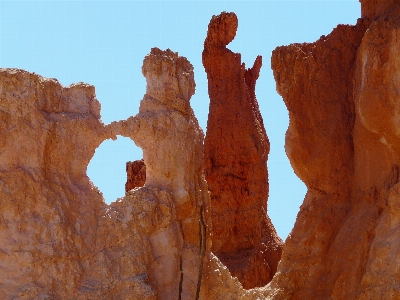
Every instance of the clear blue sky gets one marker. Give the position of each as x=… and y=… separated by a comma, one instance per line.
x=103, y=43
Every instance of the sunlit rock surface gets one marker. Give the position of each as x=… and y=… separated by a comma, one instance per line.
x=49, y=209
x=172, y=142
x=235, y=161
x=59, y=240
x=342, y=141
x=58, y=237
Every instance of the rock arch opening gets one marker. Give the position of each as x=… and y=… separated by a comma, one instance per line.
x=107, y=168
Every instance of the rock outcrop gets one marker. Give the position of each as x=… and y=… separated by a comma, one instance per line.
x=59, y=240
x=371, y=9
x=135, y=174
x=49, y=209
x=172, y=142
x=342, y=140
x=235, y=161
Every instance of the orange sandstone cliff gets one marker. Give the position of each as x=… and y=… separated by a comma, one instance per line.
x=235, y=160
x=58, y=239
x=172, y=142
x=342, y=96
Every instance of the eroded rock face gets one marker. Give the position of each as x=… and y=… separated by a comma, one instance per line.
x=136, y=174
x=377, y=145
x=59, y=239
x=341, y=93
x=49, y=207
x=235, y=160
x=172, y=143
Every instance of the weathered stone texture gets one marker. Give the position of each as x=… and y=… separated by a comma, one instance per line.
x=371, y=9
x=49, y=208
x=172, y=142
x=59, y=239
x=235, y=161
x=341, y=93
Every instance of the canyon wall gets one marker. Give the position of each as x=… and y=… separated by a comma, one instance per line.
x=235, y=160
x=49, y=208
x=342, y=96
x=59, y=240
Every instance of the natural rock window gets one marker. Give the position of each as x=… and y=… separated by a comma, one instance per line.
x=108, y=166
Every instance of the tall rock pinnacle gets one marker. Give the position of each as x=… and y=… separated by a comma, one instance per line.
x=235, y=161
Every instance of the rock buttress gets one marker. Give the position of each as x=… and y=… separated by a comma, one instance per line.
x=235, y=161
x=343, y=142
x=315, y=81
x=375, y=217
x=172, y=142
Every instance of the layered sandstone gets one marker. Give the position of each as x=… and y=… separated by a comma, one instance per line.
x=315, y=81
x=58, y=238
x=235, y=161
x=49, y=208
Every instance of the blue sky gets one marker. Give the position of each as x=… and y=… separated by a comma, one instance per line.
x=103, y=43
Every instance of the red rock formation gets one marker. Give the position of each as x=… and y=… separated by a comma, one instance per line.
x=343, y=142
x=315, y=81
x=235, y=159
x=136, y=174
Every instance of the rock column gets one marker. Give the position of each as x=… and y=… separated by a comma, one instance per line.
x=235, y=160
